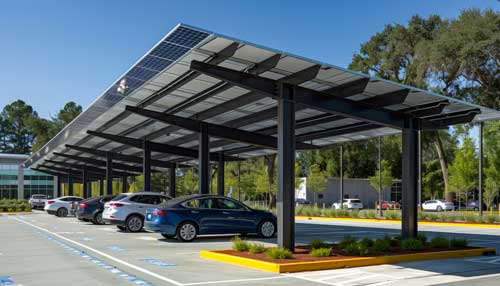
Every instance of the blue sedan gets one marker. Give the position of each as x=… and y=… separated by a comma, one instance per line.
x=189, y=216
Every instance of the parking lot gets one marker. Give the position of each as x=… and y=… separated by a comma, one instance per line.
x=41, y=249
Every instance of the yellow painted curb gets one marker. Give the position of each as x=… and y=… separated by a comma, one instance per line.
x=436, y=223
x=8, y=213
x=340, y=263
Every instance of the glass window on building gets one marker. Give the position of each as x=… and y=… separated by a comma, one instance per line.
x=396, y=192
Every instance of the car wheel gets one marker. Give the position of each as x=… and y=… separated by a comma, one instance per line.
x=98, y=218
x=134, y=223
x=167, y=235
x=62, y=212
x=122, y=228
x=439, y=209
x=187, y=231
x=266, y=229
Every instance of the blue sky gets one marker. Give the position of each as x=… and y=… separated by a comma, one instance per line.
x=52, y=52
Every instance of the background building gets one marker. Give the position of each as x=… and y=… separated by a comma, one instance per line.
x=17, y=182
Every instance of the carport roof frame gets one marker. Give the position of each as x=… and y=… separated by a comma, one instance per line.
x=160, y=81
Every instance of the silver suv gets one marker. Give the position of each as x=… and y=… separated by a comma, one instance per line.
x=127, y=210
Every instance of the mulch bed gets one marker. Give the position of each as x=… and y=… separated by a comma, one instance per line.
x=301, y=253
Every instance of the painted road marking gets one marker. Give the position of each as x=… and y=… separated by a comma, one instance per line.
x=103, y=254
x=116, y=248
x=147, y=238
x=157, y=262
x=6, y=280
x=235, y=280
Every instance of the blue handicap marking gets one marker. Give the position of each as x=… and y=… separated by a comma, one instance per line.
x=157, y=262
x=88, y=238
x=6, y=280
x=117, y=248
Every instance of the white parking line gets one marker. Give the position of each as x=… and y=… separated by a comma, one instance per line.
x=234, y=281
x=135, y=267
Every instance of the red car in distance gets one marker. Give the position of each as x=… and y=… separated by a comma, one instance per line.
x=389, y=205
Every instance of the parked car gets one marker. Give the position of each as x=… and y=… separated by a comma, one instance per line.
x=91, y=209
x=389, y=205
x=438, y=205
x=61, y=206
x=127, y=210
x=348, y=204
x=37, y=201
x=474, y=205
x=304, y=202
x=187, y=217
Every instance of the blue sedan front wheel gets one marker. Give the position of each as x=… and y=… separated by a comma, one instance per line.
x=266, y=229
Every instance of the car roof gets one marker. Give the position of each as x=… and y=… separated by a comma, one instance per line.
x=143, y=193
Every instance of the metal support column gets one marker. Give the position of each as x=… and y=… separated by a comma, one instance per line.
x=146, y=165
x=101, y=187
x=85, y=177
x=124, y=184
x=409, y=224
x=419, y=170
x=220, y=175
x=203, y=162
x=379, y=176
x=480, y=187
x=109, y=174
x=58, y=186
x=70, y=183
x=239, y=181
x=286, y=167
x=171, y=185
x=341, y=174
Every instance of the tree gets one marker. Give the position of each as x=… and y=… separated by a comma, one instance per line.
x=432, y=180
x=463, y=171
x=317, y=181
x=386, y=180
x=16, y=118
x=69, y=112
x=490, y=192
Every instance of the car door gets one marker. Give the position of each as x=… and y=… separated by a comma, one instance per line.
x=235, y=216
x=145, y=202
x=205, y=213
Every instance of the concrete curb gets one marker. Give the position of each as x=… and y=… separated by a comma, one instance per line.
x=477, y=225
x=340, y=263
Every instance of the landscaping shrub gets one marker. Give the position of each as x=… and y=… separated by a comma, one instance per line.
x=392, y=214
x=356, y=248
x=433, y=217
x=355, y=213
x=367, y=242
x=440, y=242
x=398, y=237
x=382, y=245
x=321, y=252
x=396, y=241
x=279, y=253
x=299, y=209
x=346, y=241
x=255, y=248
x=411, y=244
x=370, y=214
x=422, y=237
x=490, y=218
x=315, y=244
x=329, y=213
x=240, y=245
x=458, y=242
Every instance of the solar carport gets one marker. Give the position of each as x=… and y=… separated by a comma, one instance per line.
x=199, y=97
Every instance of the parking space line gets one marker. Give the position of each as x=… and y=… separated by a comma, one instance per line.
x=135, y=267
x=309, y=279
x=235, y=280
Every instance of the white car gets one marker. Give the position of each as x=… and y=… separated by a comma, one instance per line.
x=127, y=211
x=438, y=205
x=37, y=201
x=349, y=204
x=62, y=206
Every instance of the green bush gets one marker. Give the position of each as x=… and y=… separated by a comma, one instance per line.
x=490, y=218
x=433, y=217
x=356, y=248
x=382, y=245
x=279, y=253
x=398, y=237
x=255, y=248
x=422, y=237
x=321, y=252
x=390, y=214
x=10, y=209
x=355, y=213
x=315, y=244
x=458, y=242
x=346, y=241
x=470, y=217
x=240, y=245
x=370, y=214
x=367, y=242
x=411, y=244
x=440, y=242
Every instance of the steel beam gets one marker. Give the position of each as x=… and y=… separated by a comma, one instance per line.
x=335, y=131
x=452, y=118
x=286, y=167
x=80, y=167
x=101, y=187
x=341, y=174
x=118, y=156
x=220, y=176
x=97, y=162
x=158, y=147
x=419, y=170
x=171, y=183
x=109, y=175
x=426, y=109
x=58, y=186
x=203, y=162
x=146, y=165
x=70, y=183
x=409, y=224
x=124, y=184
x=330, y=103
x=215, y=130
x=85, y=174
